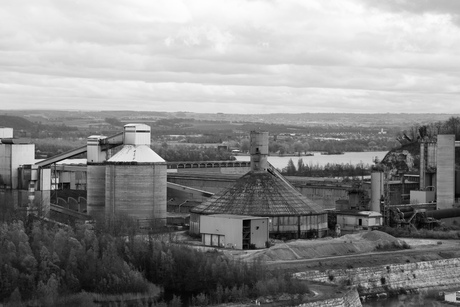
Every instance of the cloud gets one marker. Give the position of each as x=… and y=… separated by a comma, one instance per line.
x=219, y=56
x=449, y=8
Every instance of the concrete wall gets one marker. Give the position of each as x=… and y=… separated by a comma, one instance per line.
x=6, y=133
x=95, y=177
x=232, y=229
x=422, y=197
x=437, y=274
x=445, y=173
x=137, y=190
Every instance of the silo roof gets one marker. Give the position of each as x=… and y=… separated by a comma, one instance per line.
x=136, y=154
x=260, y=194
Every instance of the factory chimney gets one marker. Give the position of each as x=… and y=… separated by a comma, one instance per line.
x=259, y=151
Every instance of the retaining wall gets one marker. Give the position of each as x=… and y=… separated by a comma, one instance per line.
x=393, y=278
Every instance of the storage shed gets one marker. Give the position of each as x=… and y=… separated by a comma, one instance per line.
x=234, y=231
x=355, y=220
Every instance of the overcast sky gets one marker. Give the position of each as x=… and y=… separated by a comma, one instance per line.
x=231, y=56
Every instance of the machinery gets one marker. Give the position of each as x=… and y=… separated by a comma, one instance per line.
x=420, y=217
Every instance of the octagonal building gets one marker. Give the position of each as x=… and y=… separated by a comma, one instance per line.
x=264, y=192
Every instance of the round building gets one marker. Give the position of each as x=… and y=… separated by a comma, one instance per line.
x=264, y=192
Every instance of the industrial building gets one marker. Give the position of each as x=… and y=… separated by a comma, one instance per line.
x=124, y=176
x=23, y=185
x=234, y=231
x=404, y=199
x=358, y=220
x=131, y=182
x=263, y=192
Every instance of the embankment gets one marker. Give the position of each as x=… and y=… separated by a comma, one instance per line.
x=349, y=299
x=392, y=278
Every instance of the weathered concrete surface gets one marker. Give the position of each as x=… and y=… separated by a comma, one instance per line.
x=393, y=278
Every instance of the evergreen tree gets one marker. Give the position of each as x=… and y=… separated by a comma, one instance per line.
x=290, y=168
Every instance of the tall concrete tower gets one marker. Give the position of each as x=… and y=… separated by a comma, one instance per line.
x=259, y=151
x=95, y=177
x=377, y=190
x=427, y=164
x=445, y=172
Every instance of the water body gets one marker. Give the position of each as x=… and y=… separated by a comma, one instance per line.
x=353, y=158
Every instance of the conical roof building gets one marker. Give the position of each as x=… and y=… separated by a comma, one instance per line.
x=265, y=192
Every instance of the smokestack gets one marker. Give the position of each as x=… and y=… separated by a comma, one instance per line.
x=259, y=151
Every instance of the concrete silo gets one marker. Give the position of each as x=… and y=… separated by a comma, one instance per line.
x=95, y=177
x=135, y=178
x=445, y=172
x=377, y=190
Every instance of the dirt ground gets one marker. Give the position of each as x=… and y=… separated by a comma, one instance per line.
x=352, y=250
x=367, y=248
x=363, y=249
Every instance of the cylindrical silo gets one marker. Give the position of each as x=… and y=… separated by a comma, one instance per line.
x=376, y=190
x=136, y=179
x=445, y=171
x=95, y=178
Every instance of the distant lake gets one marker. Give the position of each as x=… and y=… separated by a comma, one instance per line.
x=353, y=158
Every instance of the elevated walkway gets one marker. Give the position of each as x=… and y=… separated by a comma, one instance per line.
x=63, y=156
x=107, y=143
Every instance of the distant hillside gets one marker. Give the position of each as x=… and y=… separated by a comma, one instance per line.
x=15, y=122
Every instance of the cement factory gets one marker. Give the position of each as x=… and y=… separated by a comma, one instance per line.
x=230, y=204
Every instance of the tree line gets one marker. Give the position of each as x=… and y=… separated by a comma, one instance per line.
x=328, y=170
x=42, y=261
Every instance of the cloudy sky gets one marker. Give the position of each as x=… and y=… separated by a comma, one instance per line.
x=231, y=56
